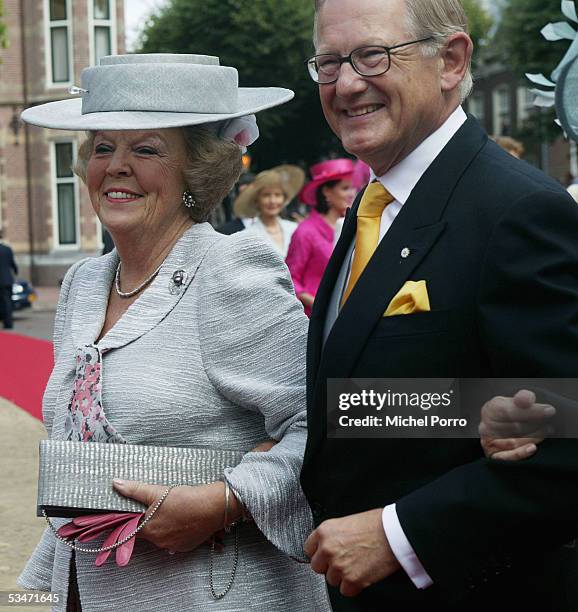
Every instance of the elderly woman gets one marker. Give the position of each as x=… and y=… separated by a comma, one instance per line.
x=180, y=337
x=264, y=200
x=330, y=193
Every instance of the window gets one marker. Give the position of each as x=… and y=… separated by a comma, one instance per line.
x=502, y=120
x=525, y=104
x=102, y=29
x=58, y=42
x=65, y=195
x=476, y=107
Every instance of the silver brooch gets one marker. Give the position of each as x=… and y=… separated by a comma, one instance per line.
x=405, y=252
x=177, y=282
x=73, y=90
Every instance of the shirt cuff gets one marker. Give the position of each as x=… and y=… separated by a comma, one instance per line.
x=403, y=550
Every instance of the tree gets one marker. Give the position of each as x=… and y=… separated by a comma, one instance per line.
x=480, y=23
x=518, y=37
x=3, y=29
x=267, y=42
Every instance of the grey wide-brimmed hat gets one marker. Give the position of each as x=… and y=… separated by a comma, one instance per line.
x=152, y=91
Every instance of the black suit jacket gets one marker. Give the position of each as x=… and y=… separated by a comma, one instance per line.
x=231, y=227
x=7, y=265
x=497, y=243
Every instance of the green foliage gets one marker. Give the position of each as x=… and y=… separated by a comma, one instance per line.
x=519, y=40
x=480, y=23
x=267, y=41
x=3, y=29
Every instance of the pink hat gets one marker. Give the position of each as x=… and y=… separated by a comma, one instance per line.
x=330, y=170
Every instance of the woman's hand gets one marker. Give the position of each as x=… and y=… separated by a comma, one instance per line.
x=188, y=517
x=512, y=427
x=264, y=447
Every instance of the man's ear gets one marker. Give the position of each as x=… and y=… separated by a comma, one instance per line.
x=456, y=56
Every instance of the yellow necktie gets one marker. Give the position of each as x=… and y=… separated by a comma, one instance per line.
x=371, y=207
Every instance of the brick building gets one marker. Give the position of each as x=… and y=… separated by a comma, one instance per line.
x=503, y=104
x=45, y=213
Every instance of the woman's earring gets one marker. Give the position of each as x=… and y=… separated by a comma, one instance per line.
x=188, y=199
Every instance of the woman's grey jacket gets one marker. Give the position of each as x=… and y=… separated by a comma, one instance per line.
x=219, y=364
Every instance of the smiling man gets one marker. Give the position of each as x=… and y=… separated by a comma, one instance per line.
x=457, y=261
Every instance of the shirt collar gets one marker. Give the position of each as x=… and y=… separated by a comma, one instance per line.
x=404, y=176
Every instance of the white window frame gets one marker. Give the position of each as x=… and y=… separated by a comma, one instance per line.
x=475, y=99
x=497, y=109
x=3, y=173
x=48, y=26
x=95, y=23
x=525, y=104
x=55, y=181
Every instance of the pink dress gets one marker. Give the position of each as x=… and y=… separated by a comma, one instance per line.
x=309, y=252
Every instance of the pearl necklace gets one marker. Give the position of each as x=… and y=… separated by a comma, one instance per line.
x=129, y=294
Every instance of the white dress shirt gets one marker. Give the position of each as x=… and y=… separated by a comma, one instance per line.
x=400, y=182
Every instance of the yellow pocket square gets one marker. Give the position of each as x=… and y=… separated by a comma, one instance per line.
x=412, y=297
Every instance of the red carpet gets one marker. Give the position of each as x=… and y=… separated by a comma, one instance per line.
x=25, y=365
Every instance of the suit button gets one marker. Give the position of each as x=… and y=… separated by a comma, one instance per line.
x=317, y=510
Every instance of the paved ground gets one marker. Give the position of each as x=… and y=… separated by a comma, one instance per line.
x=20, y=529
x=38, y=321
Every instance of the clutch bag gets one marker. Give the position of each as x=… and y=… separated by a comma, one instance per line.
x=75, y=478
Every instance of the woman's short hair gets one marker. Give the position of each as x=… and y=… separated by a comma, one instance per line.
x=213, y=167
x=511, y=145
x=322, y=205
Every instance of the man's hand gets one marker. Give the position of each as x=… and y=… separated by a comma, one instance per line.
x=511, y=427
x=352, y=552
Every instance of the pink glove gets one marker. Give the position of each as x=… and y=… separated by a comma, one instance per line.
x=88, y=527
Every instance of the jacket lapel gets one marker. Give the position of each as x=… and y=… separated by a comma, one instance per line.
x=323, y=296
x=91, y=298
x=153, y=305
x=417, y=227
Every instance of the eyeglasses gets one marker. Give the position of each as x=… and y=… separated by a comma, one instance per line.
x=367, y=61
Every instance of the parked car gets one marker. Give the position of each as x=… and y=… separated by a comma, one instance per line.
x=23, y=294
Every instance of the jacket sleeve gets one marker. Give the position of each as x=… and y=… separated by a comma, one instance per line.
x=38, y=572
x=253, y=337
x=469, y=526
x=298, y=257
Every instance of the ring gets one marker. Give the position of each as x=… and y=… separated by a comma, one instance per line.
x=171, y=552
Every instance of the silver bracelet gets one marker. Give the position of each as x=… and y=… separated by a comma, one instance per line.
x=226, y=525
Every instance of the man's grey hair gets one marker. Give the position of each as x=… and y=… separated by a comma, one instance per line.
x=438, y=19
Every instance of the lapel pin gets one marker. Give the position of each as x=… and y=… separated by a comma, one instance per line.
x=405, y=252
x=177, y=281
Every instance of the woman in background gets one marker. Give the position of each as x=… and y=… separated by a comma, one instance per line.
x=264, y=200
x=330, y=193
